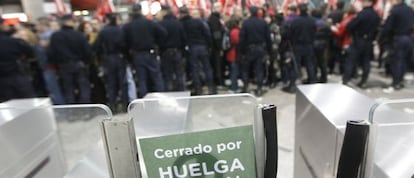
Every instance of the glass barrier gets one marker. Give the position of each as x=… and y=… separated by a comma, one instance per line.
x=163, y=115
x=390, y=148
x=40, y=139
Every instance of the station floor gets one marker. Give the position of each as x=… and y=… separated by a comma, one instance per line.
x=79, y=135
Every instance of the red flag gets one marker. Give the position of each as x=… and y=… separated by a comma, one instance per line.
x=60, y=7
x=104, y=8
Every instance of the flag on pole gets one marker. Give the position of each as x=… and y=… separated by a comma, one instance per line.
x=60, y=7
x=104, y=8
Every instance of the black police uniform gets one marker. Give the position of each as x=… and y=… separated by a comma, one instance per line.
x=303, y=31
x=172, y=61
x=254, y=42
x=217, y=30
x=399, y=27
x=363, y=29
x=199, y=40
x=70, y=51
x=13, y=82
x=110, y=45
x=321, y=43
x=141, y=36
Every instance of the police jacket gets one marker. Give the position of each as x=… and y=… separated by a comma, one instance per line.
x=68, y=45
x=197, y=32
x=11, y=51
x=109, y=41
x=323, y=32
x=400, y=22
x=142, y=34
x=176, y=37
x=303, y=30
x=255, y=31
x=365, y=24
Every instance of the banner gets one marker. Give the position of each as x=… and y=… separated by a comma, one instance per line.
x=227, y=153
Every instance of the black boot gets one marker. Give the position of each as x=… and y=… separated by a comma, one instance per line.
x=362, y=84
x=245, y=88
x=212, y=90
x=197, y=91
x=291, y=88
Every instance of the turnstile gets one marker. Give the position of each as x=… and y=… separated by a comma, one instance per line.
x=29, y=143
x=322, y=111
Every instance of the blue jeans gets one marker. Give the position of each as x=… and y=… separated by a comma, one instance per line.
x=132, y=89
x=53, y=87
x=234, y=75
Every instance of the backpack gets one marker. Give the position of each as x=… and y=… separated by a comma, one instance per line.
x=226, y=43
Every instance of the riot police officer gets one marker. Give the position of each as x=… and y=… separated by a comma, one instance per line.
x=109, y=45
x=199, y=40
x=399, y=27
x=363, y=29
x=141, y=36
x=70, y=51
x=172, y=61
x=254, y=42
x=13, y=82
x=303, y=31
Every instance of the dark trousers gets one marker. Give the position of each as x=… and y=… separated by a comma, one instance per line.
x=335, y=56
x=75, y=75
x=320, y=49
x=234, y=75
x=254, y=57
x=360, y=52
x=115, y=79
x=284, y=67
x=173, y=70
x=271, y=76
x=199, y=59
x=15, y=87
x=148, y=68
x=217, y=64
x=403, y=55
x=304, y=55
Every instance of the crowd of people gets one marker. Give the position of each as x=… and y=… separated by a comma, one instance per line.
x=76, y=61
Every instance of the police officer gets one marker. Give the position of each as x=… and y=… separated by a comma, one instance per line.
x=70, y=52
x=199, y=40
x=321, y=43
x=399, y=27
x=254, y=42
x=109, y=44
x=141, y=36
x=172, y=61
x=13, y=82
x=303, y=31
x=363, y=29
